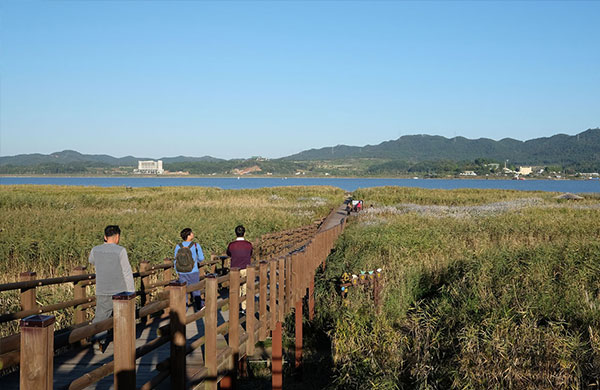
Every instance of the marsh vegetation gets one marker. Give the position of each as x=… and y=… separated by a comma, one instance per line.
x=51, y=229
x=484, y=289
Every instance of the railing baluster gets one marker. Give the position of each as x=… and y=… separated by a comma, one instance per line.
x=229, y=381
x=210, y=331
x=288, y=285
x=28, y=299
x=273, y=293
x=262, y=302
x=281, y=291
x=79, y=292
x=250, y=309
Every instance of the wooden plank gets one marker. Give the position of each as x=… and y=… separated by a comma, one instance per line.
x=262, y=301
x=273, y=293
x=250, y=309
x=281, y=290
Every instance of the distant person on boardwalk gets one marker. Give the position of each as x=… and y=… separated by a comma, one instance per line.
x=188, y=255
x=240, y=252
x=113, y=276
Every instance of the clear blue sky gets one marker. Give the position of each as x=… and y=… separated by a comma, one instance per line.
x=237, y=79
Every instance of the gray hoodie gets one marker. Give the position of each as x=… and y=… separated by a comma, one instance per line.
x=113, y=271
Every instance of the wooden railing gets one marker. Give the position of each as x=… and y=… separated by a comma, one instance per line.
x=277, y=285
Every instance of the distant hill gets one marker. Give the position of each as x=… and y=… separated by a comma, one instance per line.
x=558, y=149
x=407, y=154
x=71, y=157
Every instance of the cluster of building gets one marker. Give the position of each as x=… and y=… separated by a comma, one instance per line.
x=521, y=171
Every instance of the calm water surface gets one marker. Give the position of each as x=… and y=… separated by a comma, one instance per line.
x=575, y=186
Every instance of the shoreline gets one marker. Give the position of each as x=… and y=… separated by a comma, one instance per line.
x=508, y=178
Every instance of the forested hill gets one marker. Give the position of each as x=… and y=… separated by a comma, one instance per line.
x=73, y=157
x=558, y=149
x=415, y=154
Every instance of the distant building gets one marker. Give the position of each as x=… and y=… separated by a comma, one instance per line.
x=468, y=173
x=525, y=170
x=150, y=167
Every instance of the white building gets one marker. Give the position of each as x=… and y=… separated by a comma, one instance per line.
x=525, y=170
x=150, y=167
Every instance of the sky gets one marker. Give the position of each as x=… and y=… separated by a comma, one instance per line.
x=272, y=78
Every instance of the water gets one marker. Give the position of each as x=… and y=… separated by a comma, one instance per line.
x=574, y=186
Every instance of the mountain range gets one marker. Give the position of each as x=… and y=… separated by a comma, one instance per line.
x=558, y=149
x=561, y=149
x=71, y=156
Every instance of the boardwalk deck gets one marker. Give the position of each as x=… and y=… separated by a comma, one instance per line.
x=74, y=363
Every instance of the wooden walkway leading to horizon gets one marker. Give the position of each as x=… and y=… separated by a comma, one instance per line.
x=214, y=341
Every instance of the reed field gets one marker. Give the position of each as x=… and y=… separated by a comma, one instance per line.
x=51, y=229
x=484, y=289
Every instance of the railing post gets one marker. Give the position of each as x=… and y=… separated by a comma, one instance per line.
x=27, y=294
x=298, y=323
x=213, y=267
x=262, y=302
x=288, y=284
x=277, y=354
x=177, y=306
x=37, y=353
x=167, y=275
x=144, y=266
x=273, y=293
x=210, y=331
x=250, y=309
x=311, y=299
x=124, y=340
x=281, y=291
x=230, y=381
x=294, y=287
x=79, y=292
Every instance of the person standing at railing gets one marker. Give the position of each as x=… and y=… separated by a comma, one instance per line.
x=240, y=252
x=113, y=276
x=188, y=255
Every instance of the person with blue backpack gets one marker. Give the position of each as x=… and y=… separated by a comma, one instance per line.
x=188, y=255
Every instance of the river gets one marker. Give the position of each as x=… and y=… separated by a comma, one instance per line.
x=347, y=184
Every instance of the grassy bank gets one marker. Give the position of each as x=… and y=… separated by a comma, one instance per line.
x=484, y=290
x=51, y=229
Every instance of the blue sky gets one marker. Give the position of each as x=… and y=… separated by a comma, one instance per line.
x=237, y=79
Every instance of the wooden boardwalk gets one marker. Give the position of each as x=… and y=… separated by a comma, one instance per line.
x=75, y=362
x=282, y=285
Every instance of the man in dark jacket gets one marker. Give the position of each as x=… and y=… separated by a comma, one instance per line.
x=240, y=252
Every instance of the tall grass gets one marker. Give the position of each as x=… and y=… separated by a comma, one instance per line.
x=507, y=300
x=51, y=229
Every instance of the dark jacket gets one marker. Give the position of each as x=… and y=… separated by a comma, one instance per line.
x=240, y=252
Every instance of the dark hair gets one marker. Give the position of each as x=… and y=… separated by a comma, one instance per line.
x=185, y=233
x=111, y=230
x=240, y=230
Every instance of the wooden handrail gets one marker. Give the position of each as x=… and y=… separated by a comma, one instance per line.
x=289, y=274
